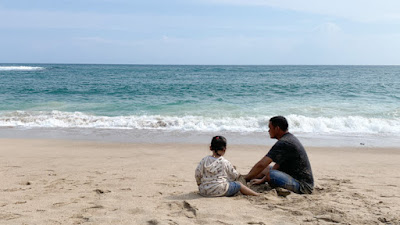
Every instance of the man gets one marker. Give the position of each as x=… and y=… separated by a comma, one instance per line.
x=292, y=169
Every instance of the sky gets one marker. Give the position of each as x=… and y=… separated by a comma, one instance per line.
x=222, y=32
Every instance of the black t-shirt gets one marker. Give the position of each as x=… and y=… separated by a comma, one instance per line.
x=292, y=158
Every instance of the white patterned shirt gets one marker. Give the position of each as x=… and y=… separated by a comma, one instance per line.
x=213, y=176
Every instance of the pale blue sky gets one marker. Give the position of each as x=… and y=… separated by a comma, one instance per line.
x=200, y=32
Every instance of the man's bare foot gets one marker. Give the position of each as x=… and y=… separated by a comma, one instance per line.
x=282, y=192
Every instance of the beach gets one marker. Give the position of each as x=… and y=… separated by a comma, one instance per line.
x=55, y=181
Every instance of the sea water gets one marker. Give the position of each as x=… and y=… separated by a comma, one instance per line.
x=328, y=105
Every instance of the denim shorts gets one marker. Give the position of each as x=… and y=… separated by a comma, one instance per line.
x=234, y=187
x=283, y=180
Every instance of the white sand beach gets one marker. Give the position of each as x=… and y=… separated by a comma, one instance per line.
x=78, y=182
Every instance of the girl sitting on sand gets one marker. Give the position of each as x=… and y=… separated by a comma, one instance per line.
x=216, y=176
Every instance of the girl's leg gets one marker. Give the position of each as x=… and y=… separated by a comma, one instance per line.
x=247, y=191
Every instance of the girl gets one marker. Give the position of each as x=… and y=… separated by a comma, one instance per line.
x=215, y=175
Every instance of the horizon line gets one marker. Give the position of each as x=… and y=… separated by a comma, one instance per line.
x=162, y=64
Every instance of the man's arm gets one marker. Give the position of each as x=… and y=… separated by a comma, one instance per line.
x=258, y=168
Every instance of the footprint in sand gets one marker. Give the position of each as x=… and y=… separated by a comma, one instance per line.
x=59, y=204
x=9, y=216
x=99, y=173
x=156, y=222
x=19, y=203
x=153, y=222
x=97, y=207
x=125, y=189
x=12, y=189
x=81, y=217
x=181, y=208
x=329, y=218
x=27, y=183
x=126, y=178
x=99, y=191
x=137, y=211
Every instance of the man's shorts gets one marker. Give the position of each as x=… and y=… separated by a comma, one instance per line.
x=281, y=179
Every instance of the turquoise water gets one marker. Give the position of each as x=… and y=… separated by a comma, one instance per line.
x=354, y=100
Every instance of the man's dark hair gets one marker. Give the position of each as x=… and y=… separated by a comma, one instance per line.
x=279, y=121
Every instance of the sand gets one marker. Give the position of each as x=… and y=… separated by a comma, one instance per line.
x=78, y=182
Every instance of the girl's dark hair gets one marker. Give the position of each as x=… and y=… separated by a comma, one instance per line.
x=218, y=143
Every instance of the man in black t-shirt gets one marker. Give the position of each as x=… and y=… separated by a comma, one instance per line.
x=292, y=169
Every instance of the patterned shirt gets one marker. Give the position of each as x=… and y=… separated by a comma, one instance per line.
x=213, y=176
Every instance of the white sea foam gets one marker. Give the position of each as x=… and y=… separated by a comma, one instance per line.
x=20, y=68
x=301, y=124
x=344, y=125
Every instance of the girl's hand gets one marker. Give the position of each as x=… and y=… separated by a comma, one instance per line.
x=257, y=181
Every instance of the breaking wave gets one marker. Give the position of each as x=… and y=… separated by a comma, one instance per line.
x=297, y=123
x=20, y=68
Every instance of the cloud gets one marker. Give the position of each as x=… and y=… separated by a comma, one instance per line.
x=356, y=10
x=46, y=19
x=97, y=40
x=56, y=19
x=328, y=28
x=165, y=38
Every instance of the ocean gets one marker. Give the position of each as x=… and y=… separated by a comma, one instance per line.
x=325, y=105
